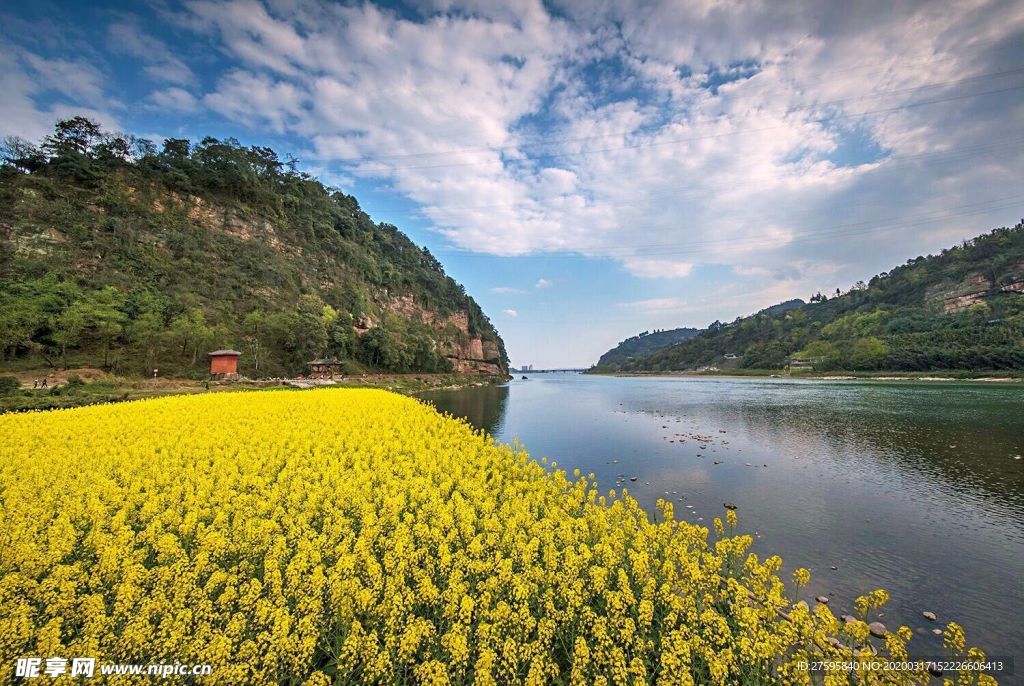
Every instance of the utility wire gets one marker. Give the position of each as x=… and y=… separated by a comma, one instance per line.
x=579, y=139
x=897, y=160
x=849, y=229
x=676, y=141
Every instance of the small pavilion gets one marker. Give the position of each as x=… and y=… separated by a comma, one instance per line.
x=224, y=364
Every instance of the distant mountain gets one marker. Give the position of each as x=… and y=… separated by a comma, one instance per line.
x=115, y=253
x=962, y=309
x=646, y=343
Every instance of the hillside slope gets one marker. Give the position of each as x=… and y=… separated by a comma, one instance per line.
x=115, y=254
x=960, y=310
x=645, y=343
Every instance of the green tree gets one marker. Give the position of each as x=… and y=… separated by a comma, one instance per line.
x=193, y=333
x=868, y=353
x=146, y=332
x=68, y=329
x=254, y=330
x=103, y=317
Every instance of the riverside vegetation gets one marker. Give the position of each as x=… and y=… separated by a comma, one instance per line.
x=119, y=255
x=342, y=536
x=959, y=311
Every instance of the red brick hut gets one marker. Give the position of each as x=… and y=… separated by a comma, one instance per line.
x=224, y=364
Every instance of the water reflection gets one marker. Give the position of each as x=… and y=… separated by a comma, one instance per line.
x=911, y=487
x=483, y=406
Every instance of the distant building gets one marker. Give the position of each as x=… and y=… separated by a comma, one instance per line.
x=325, y=369
x=224, y=364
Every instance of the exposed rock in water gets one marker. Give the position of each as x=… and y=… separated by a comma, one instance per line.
x=930, y=616
x=823, y=599
x=877, y=629
x=729, y=505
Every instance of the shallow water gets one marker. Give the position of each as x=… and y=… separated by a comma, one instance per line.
x=907, y=486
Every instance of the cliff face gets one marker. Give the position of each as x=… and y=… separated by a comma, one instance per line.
x=151, y=262
x=475, y=356
x=467, y=352
x=958, y=296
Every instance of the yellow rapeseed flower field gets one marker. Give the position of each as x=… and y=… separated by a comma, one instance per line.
x=359, y=537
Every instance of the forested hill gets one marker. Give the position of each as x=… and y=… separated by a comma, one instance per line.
x=960, y=310
x=644, y=343
x=118, y=254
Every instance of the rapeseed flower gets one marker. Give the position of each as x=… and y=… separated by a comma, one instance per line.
x=359, y=537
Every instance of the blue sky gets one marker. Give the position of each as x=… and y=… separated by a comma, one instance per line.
x=588, y=170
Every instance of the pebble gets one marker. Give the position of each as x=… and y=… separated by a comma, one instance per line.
x=729, y=505
x=801, y=604
x=877, y=629
x=930, y=616
x=834, y=568
x=749, y=465
x=849, y=618
x=718, y=462
x=934, y=669
x=937, y=632
x=632, y=478
x=823, y=599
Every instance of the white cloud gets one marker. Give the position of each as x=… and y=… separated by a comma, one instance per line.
x=657, y=305
x=256, y=99
x=175, y=99
x=511, y=313
x=543, y=283
x=126, y=37
x=507, y=290
x=76, y=80
x=25, y=77
x=673, y=171
x=657, y=269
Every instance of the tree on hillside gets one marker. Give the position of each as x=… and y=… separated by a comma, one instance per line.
x=192, y=331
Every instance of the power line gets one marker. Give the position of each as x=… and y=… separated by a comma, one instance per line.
x=962, y=153
x=676, y=141
x=562, y=140
x=850, y=229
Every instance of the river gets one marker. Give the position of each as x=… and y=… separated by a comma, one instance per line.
x=908, y=486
